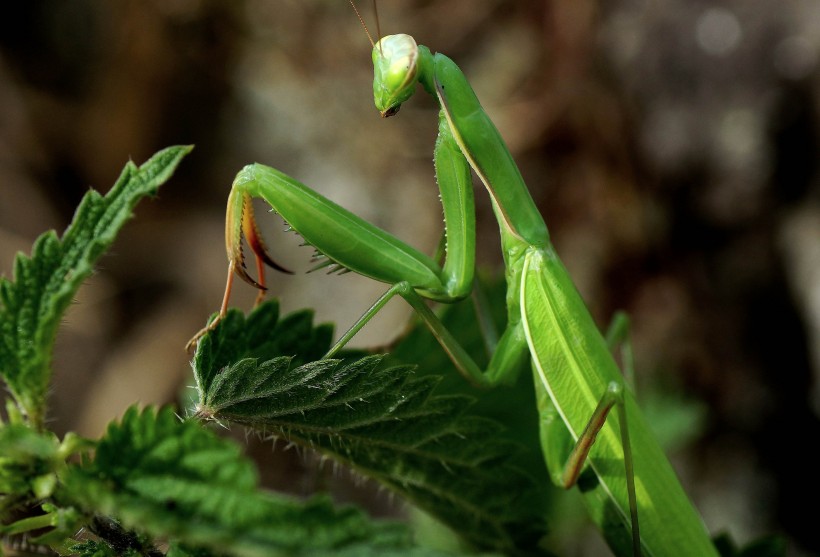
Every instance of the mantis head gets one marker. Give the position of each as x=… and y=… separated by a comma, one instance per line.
x=395, y=66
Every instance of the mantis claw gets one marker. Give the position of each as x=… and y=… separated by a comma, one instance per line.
x=240, y=222
x=244, y=224
x=254, y=239
x=242, y=272
x=251, y=232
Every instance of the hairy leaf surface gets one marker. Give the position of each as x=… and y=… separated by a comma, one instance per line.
x=44, y=284
x=175, y=479
x=384, y=421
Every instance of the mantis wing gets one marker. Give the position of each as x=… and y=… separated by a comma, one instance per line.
x=572, y=367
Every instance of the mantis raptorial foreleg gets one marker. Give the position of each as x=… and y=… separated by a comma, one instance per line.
x=575, y=375
x=240, y=222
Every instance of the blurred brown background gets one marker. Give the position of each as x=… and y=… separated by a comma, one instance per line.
x=671, y=146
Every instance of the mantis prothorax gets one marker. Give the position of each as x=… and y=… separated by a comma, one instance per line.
x=548, y=324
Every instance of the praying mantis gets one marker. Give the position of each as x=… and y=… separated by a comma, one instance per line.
x=577, y=381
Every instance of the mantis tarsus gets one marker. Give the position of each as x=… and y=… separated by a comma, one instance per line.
x=548, y=324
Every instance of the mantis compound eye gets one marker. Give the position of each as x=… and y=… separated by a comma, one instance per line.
x=395, y=65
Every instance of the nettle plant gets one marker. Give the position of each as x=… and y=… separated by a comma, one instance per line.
x=157, y=483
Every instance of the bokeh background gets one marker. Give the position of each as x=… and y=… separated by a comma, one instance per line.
x=670, y=144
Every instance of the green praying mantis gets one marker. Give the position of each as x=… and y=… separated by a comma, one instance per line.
x=548, y=325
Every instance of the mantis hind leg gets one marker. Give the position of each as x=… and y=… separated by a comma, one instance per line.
x=613, y=397
x=511, y=347
x=619, y=341
x=557, y=444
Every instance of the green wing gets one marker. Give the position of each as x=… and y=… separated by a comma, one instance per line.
x=573, y=366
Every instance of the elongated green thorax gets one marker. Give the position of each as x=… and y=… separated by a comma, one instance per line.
x=399, y=63
x=520, y=221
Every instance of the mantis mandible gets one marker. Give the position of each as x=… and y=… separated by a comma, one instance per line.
x=548, y=325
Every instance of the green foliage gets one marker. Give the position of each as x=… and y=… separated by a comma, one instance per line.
x=26, y=453
x=28, y=463
x=155, y=481
x=91, y=548
x=152, y=477
x=512, y=405
x=45, y=283
x=382, y=420
x=169, y=478
x=262, y=335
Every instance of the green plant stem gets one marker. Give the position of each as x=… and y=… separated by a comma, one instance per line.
x=31, y=523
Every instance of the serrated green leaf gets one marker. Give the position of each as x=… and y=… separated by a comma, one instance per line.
x=263, y=333
x=175, y=479
x=44, y=284
x=381, y=420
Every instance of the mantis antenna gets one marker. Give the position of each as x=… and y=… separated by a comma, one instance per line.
x=364, y=25
x=378, y=26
